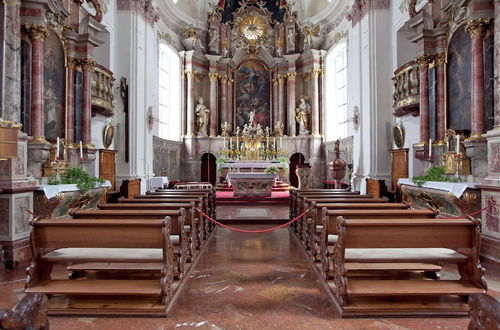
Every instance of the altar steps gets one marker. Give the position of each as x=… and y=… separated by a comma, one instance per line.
x=279, y=186
x=227, y=198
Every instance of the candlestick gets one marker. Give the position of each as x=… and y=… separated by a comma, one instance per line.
x=281, y=142
x=430, y=148
x=267, y=142
x=81, y=150
x=57, y=149
x=458, y=144
x=274, y=143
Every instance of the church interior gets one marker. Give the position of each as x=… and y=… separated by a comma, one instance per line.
x=250, y=164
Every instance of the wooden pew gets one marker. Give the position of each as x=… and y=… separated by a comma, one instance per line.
x=295, y=193
x=206, y=208
x=29, y=313
x=135, y=242
x=329, y=234
x=209, y=197
x=406, y=241
x=129, y=188
x=315, y=226
x=191, y=225
x=178, y=234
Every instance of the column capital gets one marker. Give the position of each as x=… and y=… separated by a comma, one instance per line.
x=188, y=74
x=307, y=76
x=281, y=78
x=424, y=60
x=86, y=63
x=440, y=59
x=224, y=79
x=477, y=28
x=315, y=73
x=213, y=76
x=36, y=32
x=72, y=63
x=291, y=75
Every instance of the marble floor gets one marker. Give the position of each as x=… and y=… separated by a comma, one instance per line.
x=248, y=281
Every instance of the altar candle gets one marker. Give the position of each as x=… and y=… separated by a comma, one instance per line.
x=57, y=149
x=267, y=142
x=230, y=142
x=81, y=150
x=430, y=147
x=237, y=141
x=224, y=143
x=275, y=143
x=458, y=144
x=281, y=142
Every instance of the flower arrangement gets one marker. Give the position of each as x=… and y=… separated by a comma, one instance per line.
x=435, y=173
x=272, y=170
x=77, y=175
x=284, y=162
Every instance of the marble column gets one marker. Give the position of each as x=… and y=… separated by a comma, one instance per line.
x=223, y=99
x=70, y=109
x=291, y=102
x=214, y=77
x=10, y=93
x=190, y=102
x=38, y=34
x=440, y=97
x=230, y=106
x=87, y=65
x=477, y=29
x=275, y=102
x=423, y=62
x=281, y=100
x=315, y=100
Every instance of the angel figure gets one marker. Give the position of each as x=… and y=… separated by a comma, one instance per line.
x=225, y=128
x=201, y=112
x=309, y=33
x=279, y=128
x=301, y=115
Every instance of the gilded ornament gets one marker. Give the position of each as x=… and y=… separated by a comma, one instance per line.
x=213, y=76
x=36, y=32
x=291, y=75
x=477, y=28
x=424, y=60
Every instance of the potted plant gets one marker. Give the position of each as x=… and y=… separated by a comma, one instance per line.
x=77, y=175
x=272, y=170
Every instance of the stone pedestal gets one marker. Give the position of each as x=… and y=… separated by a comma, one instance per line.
x=38, y=153
x=89, y=156
x=477, y=151
x=493, y=145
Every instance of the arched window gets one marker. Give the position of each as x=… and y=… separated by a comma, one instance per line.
x=336, y=93
x=169, y=126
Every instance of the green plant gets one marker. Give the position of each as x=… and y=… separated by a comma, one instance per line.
x=284, y=162
x=77, y=175
x=435, y=173
x=53, y=181
x=272, y=169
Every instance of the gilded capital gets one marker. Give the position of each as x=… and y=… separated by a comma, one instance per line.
x=315, y=73
x=424, y=60
x=291, y=75
x=477, y=28
x=307, y=76
x=440, y=58
x=213, y=76
x=86, y=63
x=188, y=74
x=281, y=78
x=36, y=32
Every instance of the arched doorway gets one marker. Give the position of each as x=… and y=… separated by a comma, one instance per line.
x=296, y=159
x=208, y=168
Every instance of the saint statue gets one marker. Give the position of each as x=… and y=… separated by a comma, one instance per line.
x=201, y=112
x=225, y=128
x=251, y=117
x=279, y=128
x=290, y=39
x=302, y=114
x=214, y=38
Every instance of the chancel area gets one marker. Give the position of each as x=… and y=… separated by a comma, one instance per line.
x=261, y=164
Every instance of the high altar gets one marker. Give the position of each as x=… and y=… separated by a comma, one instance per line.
x=262, y=75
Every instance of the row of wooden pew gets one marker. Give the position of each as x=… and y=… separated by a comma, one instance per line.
x=126, y=258
x=380, y=258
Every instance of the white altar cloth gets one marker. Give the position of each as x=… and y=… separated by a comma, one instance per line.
x=456, y=188
x=52, y=190
x=158, y=182
x=273, y=176
x=251, y=165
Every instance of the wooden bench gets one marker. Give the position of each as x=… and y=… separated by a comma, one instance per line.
x=191, y=224
x=201, y=203
x=128, y=241
x=129, y=188
x=209, y=197
x=406, y=241
x=329, y=235
x=178, y=235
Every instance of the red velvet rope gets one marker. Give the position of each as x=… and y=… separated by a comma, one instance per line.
x=468, y=215
x=252, y=231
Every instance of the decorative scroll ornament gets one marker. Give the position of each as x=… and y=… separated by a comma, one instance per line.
x=97, y=6
x=252, y=31
x=477, y=28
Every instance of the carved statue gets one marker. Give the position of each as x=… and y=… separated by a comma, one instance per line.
x=309, y=33
x=301, y=115
x=214, y=37
x=251, y=117
x=225, y=128
x=267, y=131
x=279, y=128
x=238, y=131
x=201, y=112
x=290, y=39
x=279, y=45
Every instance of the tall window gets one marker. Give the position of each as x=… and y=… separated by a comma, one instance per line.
x=336, y=93
x=169, y=125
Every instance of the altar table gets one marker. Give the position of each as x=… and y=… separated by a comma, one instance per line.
x=158, y=182
x=252, y=184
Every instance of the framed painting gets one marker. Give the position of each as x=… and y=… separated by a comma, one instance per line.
x=54, y=79
x=252, y=93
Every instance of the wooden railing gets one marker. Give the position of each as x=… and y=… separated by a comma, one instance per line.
x=406, y=97
x=102, y=91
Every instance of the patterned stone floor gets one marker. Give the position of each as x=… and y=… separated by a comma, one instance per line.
x=249, y=281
